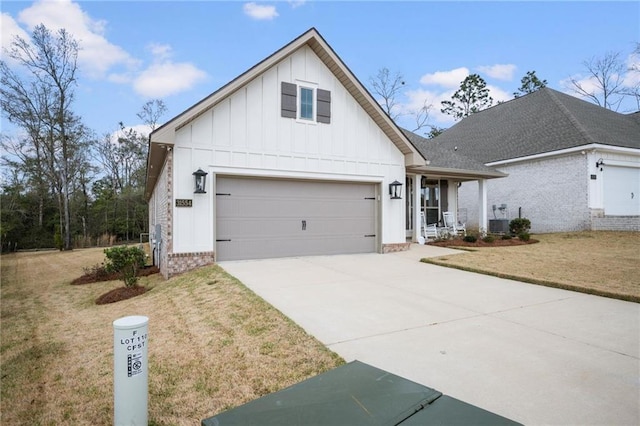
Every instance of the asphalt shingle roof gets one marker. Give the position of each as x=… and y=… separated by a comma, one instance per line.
x=541, y=122
x=443, y=157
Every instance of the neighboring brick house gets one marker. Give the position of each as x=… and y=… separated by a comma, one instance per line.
x=571, y=165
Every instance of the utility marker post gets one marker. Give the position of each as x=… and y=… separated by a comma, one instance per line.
x=130, y=371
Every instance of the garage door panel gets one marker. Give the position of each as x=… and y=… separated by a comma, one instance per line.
x=621, y=191
x=261, y=218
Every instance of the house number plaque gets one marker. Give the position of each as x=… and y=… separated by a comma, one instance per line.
x=181, y=202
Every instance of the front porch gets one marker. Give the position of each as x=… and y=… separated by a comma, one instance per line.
x=432, y=196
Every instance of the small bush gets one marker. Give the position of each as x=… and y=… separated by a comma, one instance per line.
x=97, y=271
x=125, y=260
x=57, y=239
x=470, y=238
x=506, y=237
x=524, y=236
x=519, y=225
x=489, y=239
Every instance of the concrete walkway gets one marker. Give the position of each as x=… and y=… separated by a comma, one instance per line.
x=534, y=354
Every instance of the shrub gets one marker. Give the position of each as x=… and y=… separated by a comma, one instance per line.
x=506, y=237
x=125, y=260
x=524, y=236
x=97, y=271
x=489, y=239
x=470, y=238
x=519, y=225
x=57, y=239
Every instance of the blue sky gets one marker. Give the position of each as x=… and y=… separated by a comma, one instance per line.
x=181, y=51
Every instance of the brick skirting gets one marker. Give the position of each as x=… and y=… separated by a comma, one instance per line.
x=396, y=247
x=179, y=263
x=615, y=223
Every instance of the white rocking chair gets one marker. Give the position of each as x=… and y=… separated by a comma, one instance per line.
x=453, y=227
x=428, y=231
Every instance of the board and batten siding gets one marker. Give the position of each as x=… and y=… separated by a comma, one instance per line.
x=245, y=134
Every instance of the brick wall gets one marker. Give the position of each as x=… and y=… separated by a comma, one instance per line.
x=160, y=212
x=395, y=247
x=616, y=223
x=551, y=192
x=179, y=263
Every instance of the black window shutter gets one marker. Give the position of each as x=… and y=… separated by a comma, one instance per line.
x=323, y=114
x=289, y=92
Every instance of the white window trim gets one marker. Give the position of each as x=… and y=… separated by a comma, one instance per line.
x=307, y=85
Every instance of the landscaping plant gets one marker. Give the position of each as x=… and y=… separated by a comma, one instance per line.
x=519, y=225
x=470, y=238
x=125, y=260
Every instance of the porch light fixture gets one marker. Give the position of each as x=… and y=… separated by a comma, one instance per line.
x=600, y=163
x=395, y=190
x=200, y=181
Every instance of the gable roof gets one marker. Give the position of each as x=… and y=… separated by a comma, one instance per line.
x=541, y=122
x=164, y=136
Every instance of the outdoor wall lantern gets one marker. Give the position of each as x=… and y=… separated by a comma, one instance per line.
x=201, y=180
x=395, y=190
x=600, y=163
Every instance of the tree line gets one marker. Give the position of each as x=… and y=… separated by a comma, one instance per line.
x=61, y=185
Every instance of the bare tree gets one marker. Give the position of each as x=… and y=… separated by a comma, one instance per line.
x=604, y=84
x=633, y=73
x=151, y=112
x=421, y=116
x=388, y=87
x=40, y=103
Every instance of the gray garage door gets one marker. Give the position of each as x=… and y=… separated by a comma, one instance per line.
x=266, y=218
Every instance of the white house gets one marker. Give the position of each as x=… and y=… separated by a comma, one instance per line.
x=571, y=165
x=299, y=160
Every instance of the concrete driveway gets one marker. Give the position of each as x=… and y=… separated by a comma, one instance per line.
x=534, y=354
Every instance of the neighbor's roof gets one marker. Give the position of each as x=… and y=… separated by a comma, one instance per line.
x=541, y=122
x=164, y=136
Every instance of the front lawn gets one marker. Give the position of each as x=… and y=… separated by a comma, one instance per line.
x=602, y=262
x=213, y=343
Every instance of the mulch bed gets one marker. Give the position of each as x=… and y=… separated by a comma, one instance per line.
x=120, y=293
x=498, y=242
x=117, y=294
x=93, y=277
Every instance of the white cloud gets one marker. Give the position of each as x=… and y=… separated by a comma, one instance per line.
x=296, y=3
x=588, y=84
x=499, y=71
x=141, y=129
x=416, y=99
x=10, y=29
x=160, y=51
x=97, y=55
x=159, y=80
x=632, y=77
x=498, y=94
x=449, y=79
x=100, y=59
x=260, y=12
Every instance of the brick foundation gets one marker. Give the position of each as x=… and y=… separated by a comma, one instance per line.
x=396, y=247
x=615, y=223
x=178, y=263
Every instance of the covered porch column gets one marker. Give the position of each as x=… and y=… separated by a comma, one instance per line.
x=482, y=206
x=417, y=223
